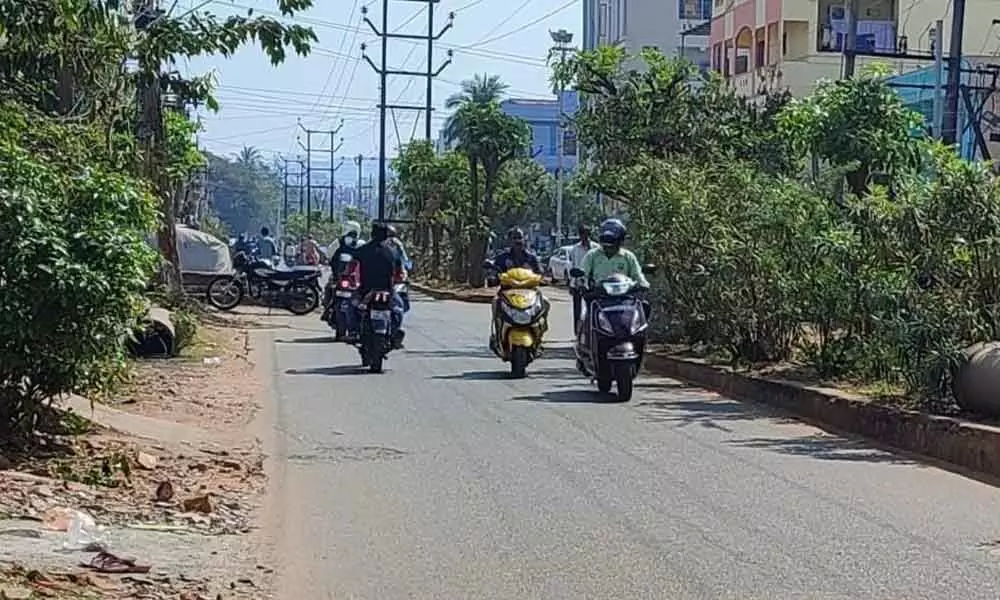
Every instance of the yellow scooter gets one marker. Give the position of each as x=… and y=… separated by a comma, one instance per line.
x=520, y=319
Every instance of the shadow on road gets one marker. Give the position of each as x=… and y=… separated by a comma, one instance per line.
x=825, y=447
x=692, y=408
x=462, y=352
x=574, y=396
x=326, y=339
x=334, y=370
x=502, y=373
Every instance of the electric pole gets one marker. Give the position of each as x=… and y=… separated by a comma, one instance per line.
x=298, y=184
x=563, y=39
x=851, y=40
x=384, y=72
x=949, y=126
x=359, y=160
x=309, y=150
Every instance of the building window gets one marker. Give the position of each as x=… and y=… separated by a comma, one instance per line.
x=694, y=10
x=569, y=142
x=602, y=19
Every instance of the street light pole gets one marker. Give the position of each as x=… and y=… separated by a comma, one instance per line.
x=562, y=38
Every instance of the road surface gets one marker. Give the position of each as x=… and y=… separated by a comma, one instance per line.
x=442, y=479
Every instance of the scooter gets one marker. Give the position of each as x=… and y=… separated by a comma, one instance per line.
x=340, y=295
x=611, y=340
x=376, y=329
x=517, y=331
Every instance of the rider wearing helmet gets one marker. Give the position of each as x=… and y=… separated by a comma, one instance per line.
x=348, y=243
x=379, y=266
x=610, y=259
x=517, y=254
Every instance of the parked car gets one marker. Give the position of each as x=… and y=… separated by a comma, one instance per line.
x=560, y=264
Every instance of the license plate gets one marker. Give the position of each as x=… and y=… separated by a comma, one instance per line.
x=380, y=321
x=341, y=294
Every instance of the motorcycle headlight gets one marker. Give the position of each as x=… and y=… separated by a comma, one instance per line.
x=639, y=322
x=521, y=316
x=603, y=322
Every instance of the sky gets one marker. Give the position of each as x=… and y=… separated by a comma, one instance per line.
x=261, y=104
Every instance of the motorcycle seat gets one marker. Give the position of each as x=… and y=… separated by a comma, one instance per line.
x=271, y=273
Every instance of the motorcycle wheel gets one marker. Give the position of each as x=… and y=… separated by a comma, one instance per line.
x=340, y=329
x=518, y=361
x=623, y=382
x=605, y=379
x=375, y=363
x=225, y=283
x=301, y=299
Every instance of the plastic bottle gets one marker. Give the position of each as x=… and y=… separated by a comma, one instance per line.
x=83, y=531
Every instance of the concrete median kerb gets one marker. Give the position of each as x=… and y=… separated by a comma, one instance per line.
x=483, y=296
x=964, y=444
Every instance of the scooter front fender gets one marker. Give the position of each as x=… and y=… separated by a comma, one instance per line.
x=521, y=337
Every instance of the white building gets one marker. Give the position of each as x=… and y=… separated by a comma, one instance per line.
x=638, y=24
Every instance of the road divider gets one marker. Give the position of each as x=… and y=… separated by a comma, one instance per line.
x=959, y=443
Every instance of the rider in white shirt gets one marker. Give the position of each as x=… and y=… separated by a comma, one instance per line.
x=576, y=254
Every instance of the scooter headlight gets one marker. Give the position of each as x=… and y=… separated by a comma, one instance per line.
x=521, y=316
x=639, y=321
x=603, y=322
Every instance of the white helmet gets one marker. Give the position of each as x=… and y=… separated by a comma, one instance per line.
x=352, y=228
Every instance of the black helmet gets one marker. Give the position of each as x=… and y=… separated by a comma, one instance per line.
x=514, y=234
x=380, y=231
x=612, y=233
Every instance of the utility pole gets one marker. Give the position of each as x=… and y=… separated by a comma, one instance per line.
x=384, y=72
x=949, y=127
x=359, y=160
x=309, y=150
x=562, y=38
x=851, y=41
x=938, y=40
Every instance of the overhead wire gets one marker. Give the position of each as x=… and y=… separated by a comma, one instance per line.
x=532, y=23
x=507, y=19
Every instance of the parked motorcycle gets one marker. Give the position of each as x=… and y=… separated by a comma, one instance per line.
x=611, y=341
x=294, y=290
x=375, y=341
x=517, y=331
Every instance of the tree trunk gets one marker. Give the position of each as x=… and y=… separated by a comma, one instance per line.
x=436, y=231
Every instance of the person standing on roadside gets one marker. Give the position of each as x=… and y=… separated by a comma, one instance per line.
x=267, y=248
x=576, y=254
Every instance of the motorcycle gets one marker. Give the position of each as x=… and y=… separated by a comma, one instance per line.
x=294, y=290
x=338, y=298
x=517, y=331
x=375, y=341
x=611, y=340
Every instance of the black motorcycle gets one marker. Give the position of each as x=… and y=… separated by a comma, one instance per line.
x=338, y=298
x=296, y=290
x=377, y=325
x=611, y=340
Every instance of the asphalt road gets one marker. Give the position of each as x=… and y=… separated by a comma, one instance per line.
x=442, y=479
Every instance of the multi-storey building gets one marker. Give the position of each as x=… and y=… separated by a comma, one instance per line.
x=762, y=45
x=638, y=24
x=542, y=116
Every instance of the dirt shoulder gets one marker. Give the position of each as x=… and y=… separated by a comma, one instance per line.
x=170, y=472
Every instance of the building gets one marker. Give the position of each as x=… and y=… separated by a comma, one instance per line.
x=542, y=116
x=771, y=45
x=638, y=24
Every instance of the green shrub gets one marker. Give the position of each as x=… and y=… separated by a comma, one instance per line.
x=73, y=263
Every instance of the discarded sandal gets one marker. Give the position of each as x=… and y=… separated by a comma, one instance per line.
x=105, y=562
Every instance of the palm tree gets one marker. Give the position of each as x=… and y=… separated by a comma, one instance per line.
x=481, y=89
x=249, y=156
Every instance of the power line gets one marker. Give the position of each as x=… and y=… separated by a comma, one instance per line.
x=333, y=67
x=507, y=19
x=551, y=13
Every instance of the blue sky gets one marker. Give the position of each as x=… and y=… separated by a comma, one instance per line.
x=261, y=103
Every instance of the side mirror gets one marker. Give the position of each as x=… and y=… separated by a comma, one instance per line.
x=649, y=269
x=576, y=272
x=408, y=265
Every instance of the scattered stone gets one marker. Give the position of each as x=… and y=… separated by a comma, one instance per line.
x=44, y=491
x=15, y=593
x=21, y=533
x=5, y=463
x=201, y=504
x=146, y=460
x=164, y=491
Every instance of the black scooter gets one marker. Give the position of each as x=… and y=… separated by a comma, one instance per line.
x=611, y=340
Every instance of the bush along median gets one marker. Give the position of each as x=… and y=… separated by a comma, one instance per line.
x=823, y=239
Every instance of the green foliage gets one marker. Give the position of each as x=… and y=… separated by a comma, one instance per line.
x=245, y=195
x=73, y=264
x=321, y=227
x=888, y=282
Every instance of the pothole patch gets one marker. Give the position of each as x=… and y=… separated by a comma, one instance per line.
x=347, y=453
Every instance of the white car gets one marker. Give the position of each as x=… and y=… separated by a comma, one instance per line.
x=560, y=264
